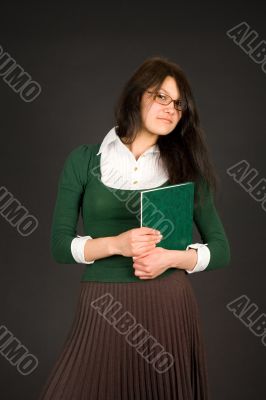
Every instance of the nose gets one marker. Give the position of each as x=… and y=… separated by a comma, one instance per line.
x=170, y=107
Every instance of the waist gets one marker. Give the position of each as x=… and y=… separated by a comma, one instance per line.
x=115, y=269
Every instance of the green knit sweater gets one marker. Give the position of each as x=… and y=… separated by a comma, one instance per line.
x=105, y=213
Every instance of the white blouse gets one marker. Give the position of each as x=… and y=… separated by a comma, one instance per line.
x=144, y=173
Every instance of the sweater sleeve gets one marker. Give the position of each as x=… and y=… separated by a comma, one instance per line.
x=72, y=181
x=212, y=231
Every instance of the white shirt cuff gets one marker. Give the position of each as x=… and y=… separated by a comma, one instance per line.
x=77, y=249
x=204, y=255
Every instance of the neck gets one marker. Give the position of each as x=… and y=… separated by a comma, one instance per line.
x=143, y=141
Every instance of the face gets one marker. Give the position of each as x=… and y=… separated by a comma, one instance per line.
x=157, y=118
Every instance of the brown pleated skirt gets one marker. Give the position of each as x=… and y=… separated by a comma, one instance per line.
x=133, y=341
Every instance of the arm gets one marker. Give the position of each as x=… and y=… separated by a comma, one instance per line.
x=86, y=250
x=100, y=248
x=71, y=185
x=212, y=234
x=66, y=246
x=212, y=231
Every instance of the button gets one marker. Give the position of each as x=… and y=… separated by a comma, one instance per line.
x=135, y=182
x=135, y=169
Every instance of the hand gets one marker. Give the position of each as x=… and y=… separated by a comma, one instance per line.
x=151, y=264
x=137, y=241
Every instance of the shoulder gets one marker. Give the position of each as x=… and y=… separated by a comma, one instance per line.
x=82, y=152
x=77, y=163
x=81, y=156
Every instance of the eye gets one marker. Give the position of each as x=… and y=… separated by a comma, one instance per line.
x=161, y=96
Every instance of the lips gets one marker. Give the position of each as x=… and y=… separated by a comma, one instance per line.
x=166, y=120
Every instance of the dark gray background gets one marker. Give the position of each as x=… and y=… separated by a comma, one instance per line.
x=81, y=54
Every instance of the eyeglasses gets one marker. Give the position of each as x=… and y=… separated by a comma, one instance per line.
x=165, y=100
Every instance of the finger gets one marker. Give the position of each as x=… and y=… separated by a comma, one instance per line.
x=144, y=230
x=144, y=253
x=140, y=273
x=148, y=239
x=145, y=247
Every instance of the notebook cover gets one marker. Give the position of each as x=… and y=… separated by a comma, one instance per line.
x=170, y=210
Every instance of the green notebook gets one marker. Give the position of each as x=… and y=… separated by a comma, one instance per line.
x=170, y=210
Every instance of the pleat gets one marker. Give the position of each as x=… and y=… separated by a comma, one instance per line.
x=97, y=362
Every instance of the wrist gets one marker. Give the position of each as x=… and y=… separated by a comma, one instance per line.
x=172, y=257
x=192, y=258
x=182, y=259
x=113, y=246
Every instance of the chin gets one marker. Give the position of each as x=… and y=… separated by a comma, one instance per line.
x=164, y=131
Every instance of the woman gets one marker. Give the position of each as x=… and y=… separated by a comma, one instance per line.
x=136, y=332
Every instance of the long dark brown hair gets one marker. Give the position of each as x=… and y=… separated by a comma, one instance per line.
x=184, y=151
